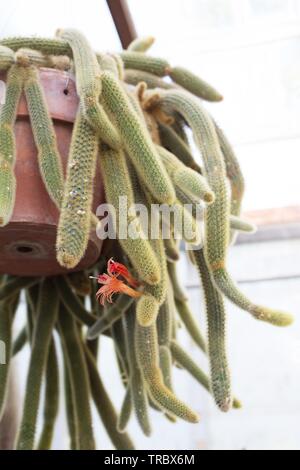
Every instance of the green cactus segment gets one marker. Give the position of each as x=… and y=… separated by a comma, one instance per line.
x=6, y=339
x=8, y=113
x=14, y=285
x=217, y=214
x=75, y=218
x=164, y=326
x=72, y=302
x=137, y=384
x=51, y=399
x=241, y=225
x=79, y=379
x=118, y=336
x=147, y=350
x=20, y=341
x=109, y=64
x=119, y=65
x=88, y=84
x=234, y=173
x=136, y=140
x=71, y=417
x=117, y=183
x=216, y=321
x=7, y=58
x=29, y=57
x=187, y=363
x=178, y=290
x=44, y=136
x=180, y=223
x=165, y=319
x=125, y=412
x=80, y=283
x=185, y=178
x=190, y=323
x=172, y=142
x=134, y=77
x=194, y=84
x=141, y=44
x=105, y=407
x=232, y=292
x=44, y=323
x=148, y=305
x=171, y=249
x=236, y=223
x=45, y=45
x=147, y=310
x=165, y=363
x=112, y=314
x=7, y=192
x=136, y=60
x=182, y=307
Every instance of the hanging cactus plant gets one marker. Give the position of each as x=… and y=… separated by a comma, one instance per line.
x=132, y=123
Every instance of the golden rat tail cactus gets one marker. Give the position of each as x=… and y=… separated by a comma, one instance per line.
x=132, y=123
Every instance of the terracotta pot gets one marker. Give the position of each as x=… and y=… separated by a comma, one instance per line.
x=27, y=243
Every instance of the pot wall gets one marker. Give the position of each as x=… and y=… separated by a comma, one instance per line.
x=27, y=243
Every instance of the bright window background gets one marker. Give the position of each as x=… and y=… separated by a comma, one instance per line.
x=250, y=50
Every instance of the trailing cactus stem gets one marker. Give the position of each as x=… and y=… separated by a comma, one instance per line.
x=137, y=385
x=234, y=173
x=28, y=57
x=136, y=60
x=44, y=136
x=216, y=320
x=51, y=399
x=46, y=45
x=79, y=379
x=47, y=302
x=7, y=58
x=136, y=140
x=75, y=218
x=6, y=338
x=88, y=83
x=146, y=344
x=111, y=315
x=125, y=413
x=194, y=84
x=8, y=112
x=105, y=407
x=117, y=183
x=134, y=77
x=148, y=305
x=175, y=144
x=141, y=44
x=217, y=214
x=186, y=179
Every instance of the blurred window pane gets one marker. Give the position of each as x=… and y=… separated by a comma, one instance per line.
x=269, y=7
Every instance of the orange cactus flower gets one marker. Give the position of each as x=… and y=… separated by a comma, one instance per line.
x=118, y=269
x=112, y=285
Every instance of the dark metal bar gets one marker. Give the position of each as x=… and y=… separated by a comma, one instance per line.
x=123, y=21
